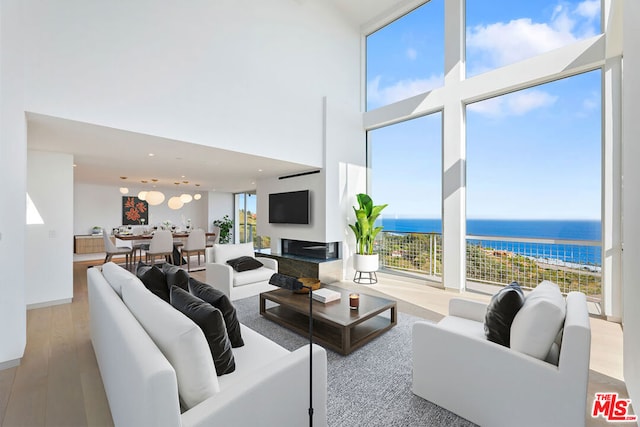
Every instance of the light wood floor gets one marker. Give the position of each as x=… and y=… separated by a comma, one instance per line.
x=58, y=382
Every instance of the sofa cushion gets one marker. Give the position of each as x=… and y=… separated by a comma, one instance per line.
x=538, y=322
x=154, y=280
x=220, y=301
x=244, y=263
x=116, y=276
x=212, y=324
x=224, y=252
x=252, y=276
x=256, y=356
x=176, y=276
x=180, y=340
x=502, y=308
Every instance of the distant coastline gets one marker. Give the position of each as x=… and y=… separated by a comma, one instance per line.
x=542, y=229
x=589, y=230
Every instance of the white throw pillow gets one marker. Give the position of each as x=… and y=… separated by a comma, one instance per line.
x=538, y=322
x=180, y=340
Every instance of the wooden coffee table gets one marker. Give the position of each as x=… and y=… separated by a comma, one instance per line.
x=335, y=325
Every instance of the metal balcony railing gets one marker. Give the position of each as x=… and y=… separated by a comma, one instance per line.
x=573, y=264
x=412, y=252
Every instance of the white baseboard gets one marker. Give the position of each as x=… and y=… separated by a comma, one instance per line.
x=10, y=364
x=49, y=303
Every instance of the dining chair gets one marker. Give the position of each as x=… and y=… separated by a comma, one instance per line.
x=111, y=249
x=214, y=237
x=160, y=245
x=196, y=242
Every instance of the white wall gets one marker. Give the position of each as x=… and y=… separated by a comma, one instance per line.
x=100, y=205
x=246, y=75
x=220, y=204
x=13, y=162
x=49, y=261
x=631, y=205
x=314, y=231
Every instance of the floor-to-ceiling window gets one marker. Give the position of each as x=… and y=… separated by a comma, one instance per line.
x=406, y=57
x=534, y=172
x=519, y=88
x=406, y=169
x=245, y=227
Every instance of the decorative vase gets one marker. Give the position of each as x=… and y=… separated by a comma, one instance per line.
x=366, y=263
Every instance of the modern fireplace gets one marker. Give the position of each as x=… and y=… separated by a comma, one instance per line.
x=317, y=250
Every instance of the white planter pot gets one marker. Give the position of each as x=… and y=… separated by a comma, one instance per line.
x=366, y=263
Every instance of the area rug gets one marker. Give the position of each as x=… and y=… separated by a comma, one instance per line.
x=369, y=387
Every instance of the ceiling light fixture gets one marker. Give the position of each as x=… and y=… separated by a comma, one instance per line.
x=124, y=190
x=186, y=198
x=197, y=196
x=154, y=197
x=175, y=202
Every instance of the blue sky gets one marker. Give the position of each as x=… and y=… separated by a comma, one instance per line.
x=532, y=154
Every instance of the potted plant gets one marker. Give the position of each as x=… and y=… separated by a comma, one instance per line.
x=365, y=231
x=225, y=225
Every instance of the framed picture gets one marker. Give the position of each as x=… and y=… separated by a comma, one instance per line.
x=134, y=211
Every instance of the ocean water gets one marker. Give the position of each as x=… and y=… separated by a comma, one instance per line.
x=541, y=229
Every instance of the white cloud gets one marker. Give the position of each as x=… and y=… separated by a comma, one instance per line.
x=514, y=104
x=589, y=9
x=380, y=95
x=412, y=54
x=501, y=43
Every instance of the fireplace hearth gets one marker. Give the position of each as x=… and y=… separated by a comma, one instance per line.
x=316, y=250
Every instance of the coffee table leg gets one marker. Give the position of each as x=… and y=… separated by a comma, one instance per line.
x=262, y=304
x=346, y=340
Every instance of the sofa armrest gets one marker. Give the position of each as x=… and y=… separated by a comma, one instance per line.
x=270, y=263
x=220, y=276
x=464, y=374
x=278, y=396
x=468, y=309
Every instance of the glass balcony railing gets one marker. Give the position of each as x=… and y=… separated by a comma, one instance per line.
x=575, y=265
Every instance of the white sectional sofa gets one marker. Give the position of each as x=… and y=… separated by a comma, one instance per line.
x=238, y=285
x=152, y=358
x=457, y=368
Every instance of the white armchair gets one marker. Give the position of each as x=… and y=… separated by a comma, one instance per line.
x=457, y=368
x=237, y=285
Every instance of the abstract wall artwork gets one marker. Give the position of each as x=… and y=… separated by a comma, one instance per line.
x=134, y=211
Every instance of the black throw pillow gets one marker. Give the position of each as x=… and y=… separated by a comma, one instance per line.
x=220, y=301
x=176, y=276
x=210, y=320
x=244, y=263
x=500, y=313
x=154, y=280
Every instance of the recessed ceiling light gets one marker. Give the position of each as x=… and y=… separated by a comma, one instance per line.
x=151, y=154
x=123, y=177
x=253, y=183
x=182, y=176
x=74, y=165
x=259, y=170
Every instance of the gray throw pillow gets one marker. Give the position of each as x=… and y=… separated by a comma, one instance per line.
x=244, y=263
x=500, y=313
x=220, y=301
x=210, y=320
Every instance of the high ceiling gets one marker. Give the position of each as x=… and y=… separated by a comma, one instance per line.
x=102, y=155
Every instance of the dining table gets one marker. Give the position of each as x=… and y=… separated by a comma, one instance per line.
x=148, y=236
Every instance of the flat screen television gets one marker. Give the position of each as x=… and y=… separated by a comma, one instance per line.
x=289, y=208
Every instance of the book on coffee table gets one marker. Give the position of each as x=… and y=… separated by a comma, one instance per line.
x=325, y=295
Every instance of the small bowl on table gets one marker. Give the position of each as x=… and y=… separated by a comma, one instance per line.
x=309, y=282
